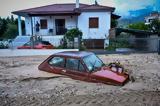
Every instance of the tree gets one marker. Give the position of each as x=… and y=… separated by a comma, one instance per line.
x=8, y=27
x=114, y=23
x=11, y=31
x=12, y=19
x=3, y=26
x=139, y=26
x=155, y=26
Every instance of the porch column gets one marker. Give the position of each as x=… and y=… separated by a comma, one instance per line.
x=31, y=26
x=19, y=26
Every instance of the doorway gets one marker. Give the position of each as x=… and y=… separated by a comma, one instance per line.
x=60, y=26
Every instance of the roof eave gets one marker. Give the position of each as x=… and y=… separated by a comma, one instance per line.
x=25, y=14
x=114, y=16
x=53, y=14
x=98, y=10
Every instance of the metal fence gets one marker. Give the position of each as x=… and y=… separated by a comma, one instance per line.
x=133, y=45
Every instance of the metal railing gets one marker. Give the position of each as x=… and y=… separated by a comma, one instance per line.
x=58, y=30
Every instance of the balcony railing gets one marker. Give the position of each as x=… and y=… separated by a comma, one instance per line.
x=60, y=30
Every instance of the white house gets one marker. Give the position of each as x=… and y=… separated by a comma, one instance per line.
x=151, y=17
x=52, y=21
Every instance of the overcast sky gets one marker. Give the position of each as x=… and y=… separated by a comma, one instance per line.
x=122, y=6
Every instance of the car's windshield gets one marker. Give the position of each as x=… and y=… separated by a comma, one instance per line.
x=92, y=62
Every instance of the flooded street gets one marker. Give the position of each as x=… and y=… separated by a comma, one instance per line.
x=21, y=83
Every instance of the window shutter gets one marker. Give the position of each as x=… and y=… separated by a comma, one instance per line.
x=93, y=22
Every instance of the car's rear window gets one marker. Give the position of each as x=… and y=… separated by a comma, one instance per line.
x=57, y=62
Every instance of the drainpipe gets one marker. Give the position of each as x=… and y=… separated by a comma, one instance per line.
x=77, y=3
x=159, y=47
x=76, y=21
x=32, y=41
x=77, y=6
x=31, y=26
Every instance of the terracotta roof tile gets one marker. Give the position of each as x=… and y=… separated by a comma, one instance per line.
x=97, y=7
x=62, y=9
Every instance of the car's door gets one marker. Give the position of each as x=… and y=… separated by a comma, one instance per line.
x=75, y=69
x=57, y=64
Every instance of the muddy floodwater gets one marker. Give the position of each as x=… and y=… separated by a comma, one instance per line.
x=22, y=84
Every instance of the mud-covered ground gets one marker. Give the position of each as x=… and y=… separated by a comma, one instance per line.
x=22, y=84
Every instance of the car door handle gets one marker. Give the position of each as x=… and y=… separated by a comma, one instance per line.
x=64, y=71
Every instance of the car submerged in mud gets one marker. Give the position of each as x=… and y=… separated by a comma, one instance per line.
x=84, y=66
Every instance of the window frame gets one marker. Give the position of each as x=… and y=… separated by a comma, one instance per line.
x=79, y=62
x=93, y=22
x=43, y=23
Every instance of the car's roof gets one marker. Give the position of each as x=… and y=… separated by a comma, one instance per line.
x=79, y=54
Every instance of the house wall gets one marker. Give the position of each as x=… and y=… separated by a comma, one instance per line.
x=70, y=22
x=82, y=22
x=149, y=19
x=95, y=33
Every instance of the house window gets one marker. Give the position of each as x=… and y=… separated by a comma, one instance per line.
x=150, y=20
x=93, y=22
x=43, y=23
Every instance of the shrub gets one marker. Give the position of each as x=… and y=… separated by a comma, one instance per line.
x=155, y=26
x=72, y=33
x=118, y=43
x=139, y=26
x=4, y=44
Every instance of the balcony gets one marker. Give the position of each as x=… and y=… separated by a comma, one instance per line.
x=59, y=30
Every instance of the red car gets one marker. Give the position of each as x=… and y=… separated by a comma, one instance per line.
x=84, y=66
x=37, y=45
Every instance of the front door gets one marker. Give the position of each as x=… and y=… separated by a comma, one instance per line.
x=75, y=69
x=60, y=26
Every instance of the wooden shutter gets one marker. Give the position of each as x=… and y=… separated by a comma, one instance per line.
x=93, y=22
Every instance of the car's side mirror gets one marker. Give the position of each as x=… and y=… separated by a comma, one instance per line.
x=90, y=68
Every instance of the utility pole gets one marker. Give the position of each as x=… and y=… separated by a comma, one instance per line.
x=159, y=46
x=32, y=36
